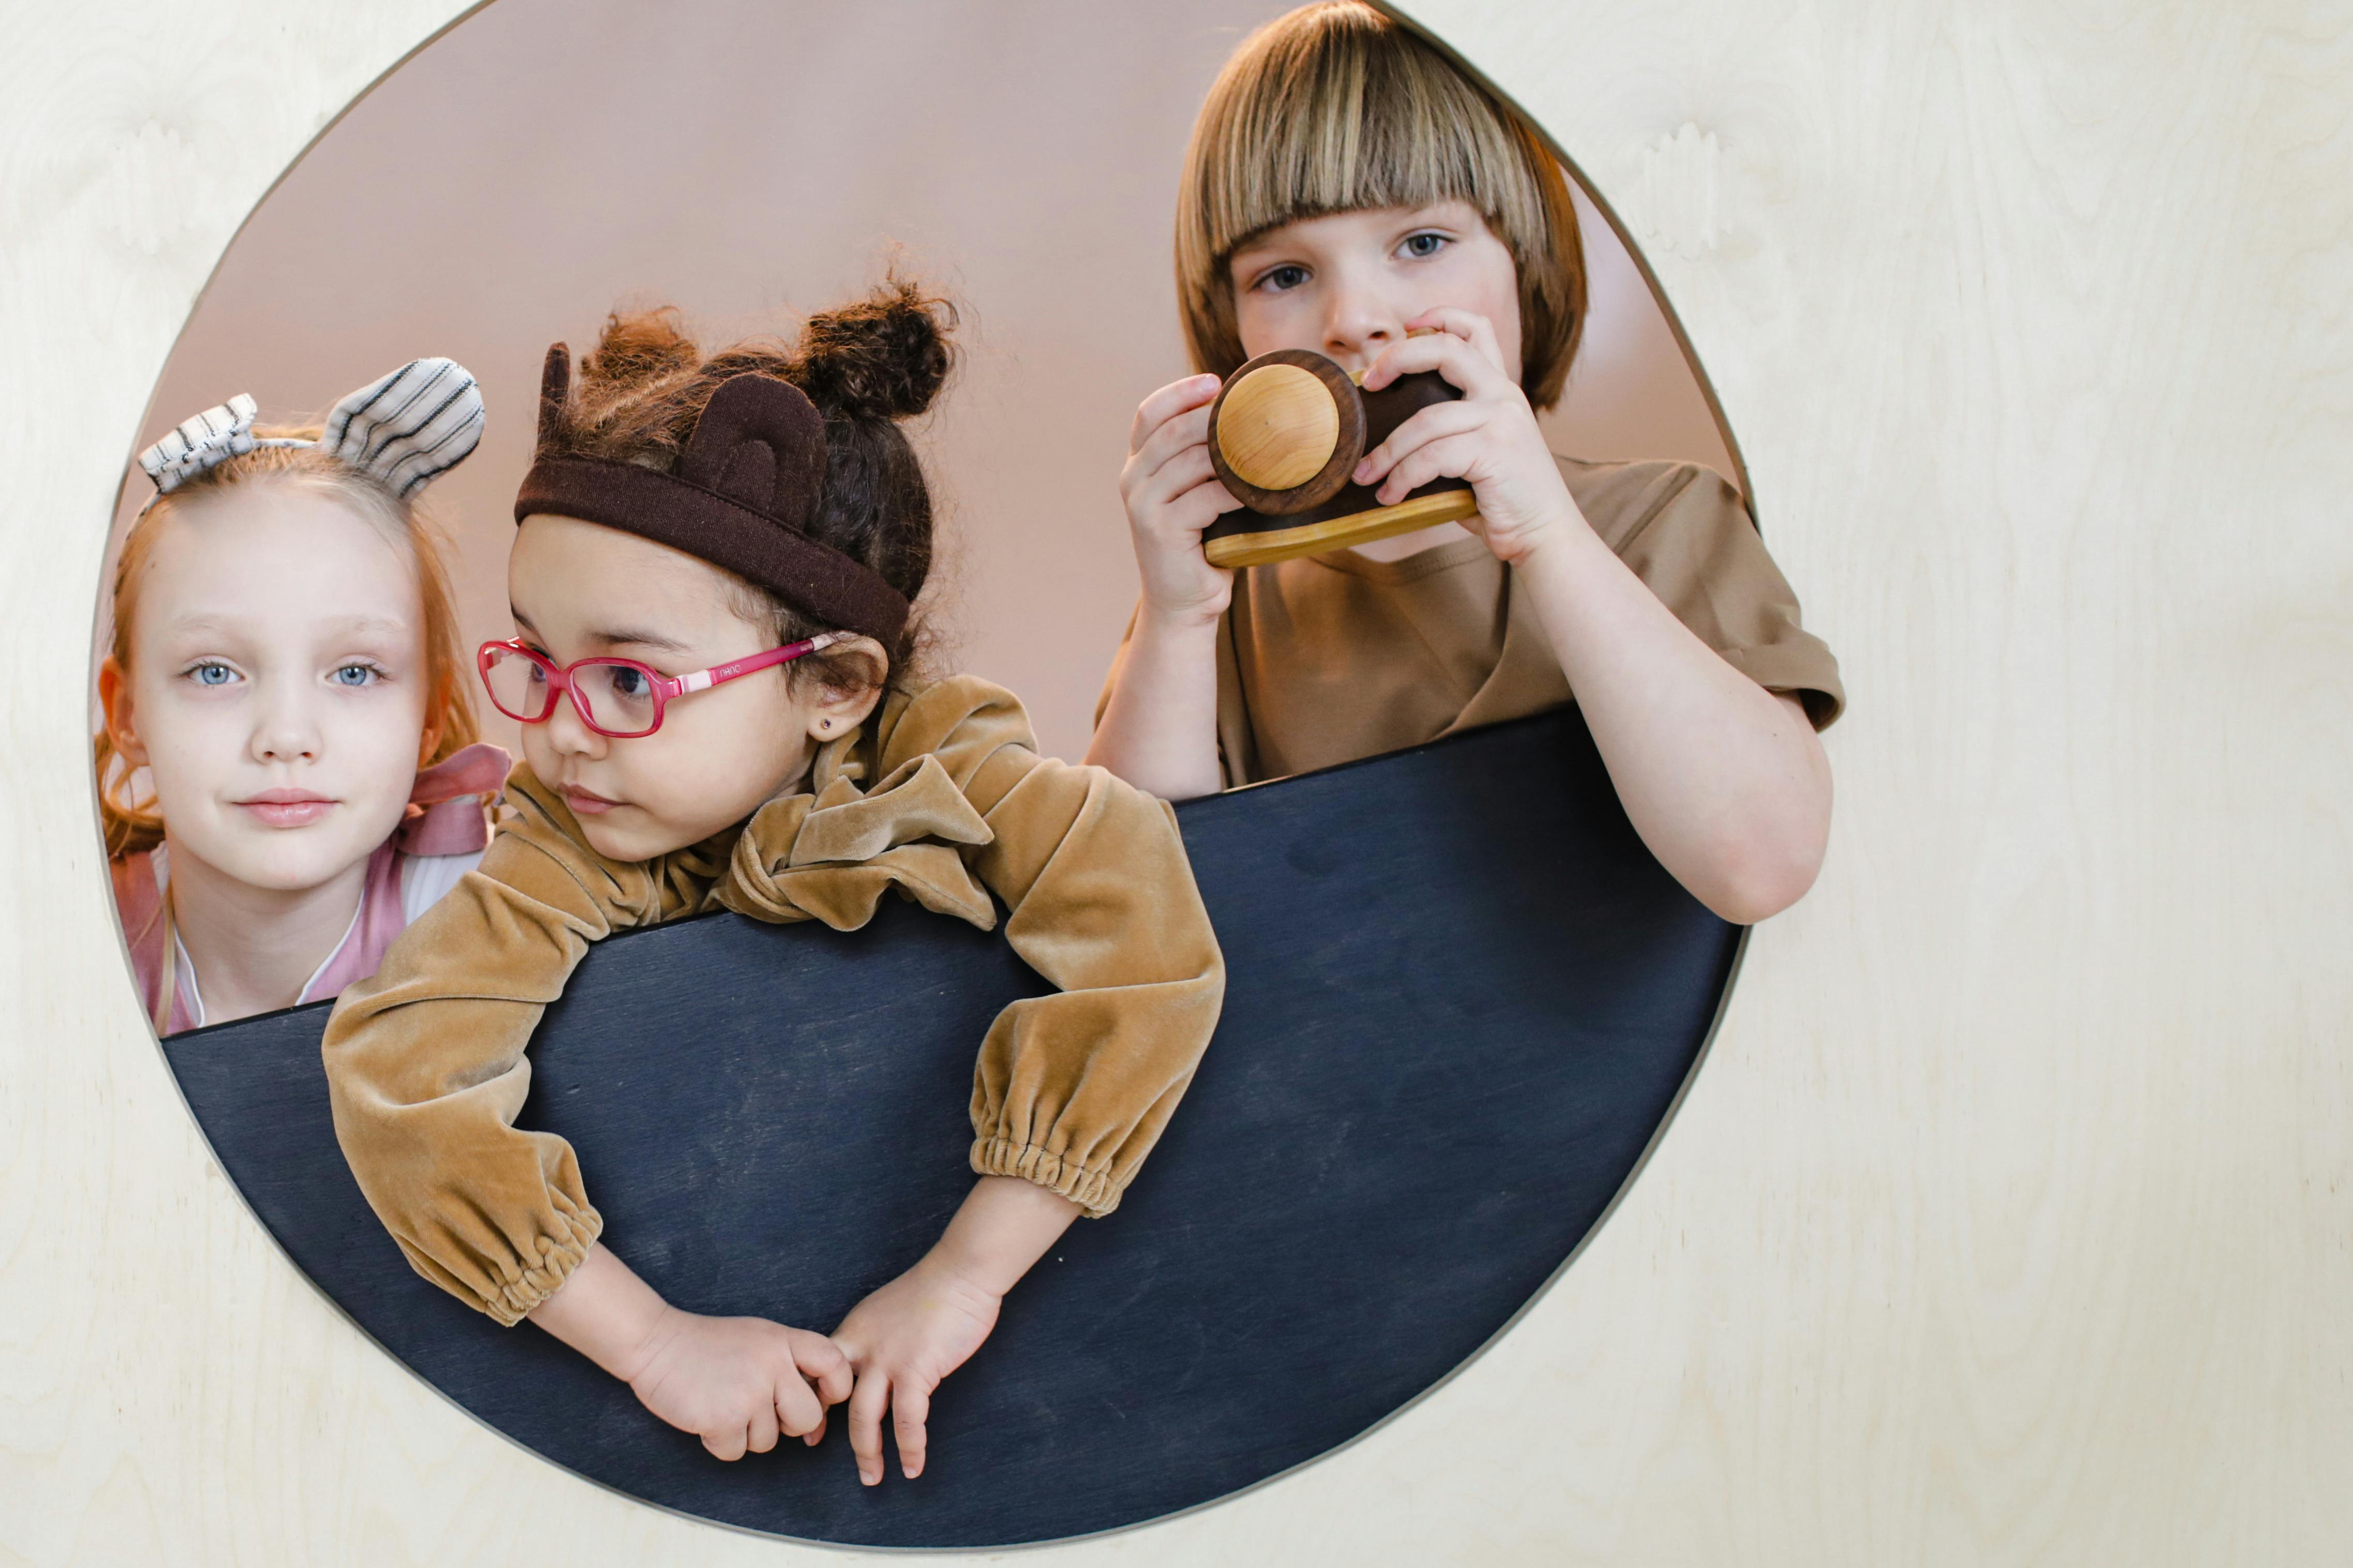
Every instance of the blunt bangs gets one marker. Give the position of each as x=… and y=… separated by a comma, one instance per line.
x=1334, y=109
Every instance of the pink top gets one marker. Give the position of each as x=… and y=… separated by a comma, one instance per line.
x=444, y=833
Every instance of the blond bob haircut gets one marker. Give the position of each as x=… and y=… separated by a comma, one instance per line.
x=1335, y=109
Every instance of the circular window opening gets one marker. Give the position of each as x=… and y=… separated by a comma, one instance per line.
x=1311, y=1249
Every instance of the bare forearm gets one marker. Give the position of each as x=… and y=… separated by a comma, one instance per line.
x=1725, y=780
x=606, y=1313
x=1159, y=732
x=1004, y=1225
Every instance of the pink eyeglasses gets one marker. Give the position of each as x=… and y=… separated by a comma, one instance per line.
x=617, y=698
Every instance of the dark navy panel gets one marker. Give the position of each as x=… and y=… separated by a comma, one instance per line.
x=1461, y=998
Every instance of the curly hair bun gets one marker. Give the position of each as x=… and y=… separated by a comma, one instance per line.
x=640, y=395
x=884, y=357
x=642, y=347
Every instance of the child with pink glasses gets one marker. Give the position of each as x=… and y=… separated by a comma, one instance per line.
x=287, y=774
x=712, y=583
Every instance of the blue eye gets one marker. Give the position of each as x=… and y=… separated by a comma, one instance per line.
x=1423, y=246
x=355, y=675
x=1285, y=278
x=211, y=673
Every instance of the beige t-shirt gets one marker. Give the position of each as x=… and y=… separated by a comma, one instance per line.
x=1330, y=657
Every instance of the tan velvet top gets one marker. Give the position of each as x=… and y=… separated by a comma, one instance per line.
x=426, y=1064
x=1330, y=657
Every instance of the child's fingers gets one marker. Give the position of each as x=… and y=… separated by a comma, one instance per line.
x=1179, y=474
x=761, y=1437
x=1448, y=458
x=1469, y=325
x=1177, y=397
x=817, y=1435
x=1450, y=356
x=825, y=1364
x=727, y=1442
x=909, y=1410
x=1186, y=477
x=872, y=1397
x=1213, y=496
x=794, y=1406
x=1434, y=423
x=1180, y=437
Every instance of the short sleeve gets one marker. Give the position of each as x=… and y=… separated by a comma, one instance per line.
x=1685, y=532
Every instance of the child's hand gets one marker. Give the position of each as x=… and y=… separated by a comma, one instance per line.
x=738, y=1382
x=1171, y=495
x=903, y=1341
x=1489, y=438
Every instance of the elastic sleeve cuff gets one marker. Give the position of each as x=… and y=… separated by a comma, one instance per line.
x=1096, y=1192
x=509, y=1302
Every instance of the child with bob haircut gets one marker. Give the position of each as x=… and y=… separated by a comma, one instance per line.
x=1349, y=190
x=712, y=581
x=283, y=676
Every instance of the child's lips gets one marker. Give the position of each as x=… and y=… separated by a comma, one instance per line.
x=587, y=803
x=287, y=808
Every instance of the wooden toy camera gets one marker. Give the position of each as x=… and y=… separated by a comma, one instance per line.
x=1285, y=434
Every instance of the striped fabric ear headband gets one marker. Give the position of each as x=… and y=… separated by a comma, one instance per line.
x=401, y=430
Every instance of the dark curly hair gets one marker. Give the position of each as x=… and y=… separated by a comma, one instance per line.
x=866, y=366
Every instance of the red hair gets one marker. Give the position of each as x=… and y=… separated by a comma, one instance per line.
x=132, y=822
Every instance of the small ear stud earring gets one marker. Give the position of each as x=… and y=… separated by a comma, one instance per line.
x=824, y=724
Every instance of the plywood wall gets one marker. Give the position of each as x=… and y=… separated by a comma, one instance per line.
x=2011, y=1220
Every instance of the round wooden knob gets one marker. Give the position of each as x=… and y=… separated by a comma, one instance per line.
x=1286, y=431
x=1278, y=426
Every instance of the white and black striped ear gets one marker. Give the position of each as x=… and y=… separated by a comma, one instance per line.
x=206, y=441
x=420, y=421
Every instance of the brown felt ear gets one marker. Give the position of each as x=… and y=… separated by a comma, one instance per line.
x=761, y=444
x=555, y=390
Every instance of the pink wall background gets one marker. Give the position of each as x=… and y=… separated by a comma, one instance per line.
x=746, y=161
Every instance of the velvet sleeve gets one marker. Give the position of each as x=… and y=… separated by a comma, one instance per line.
x=426, y=1069
x=1071, y=1090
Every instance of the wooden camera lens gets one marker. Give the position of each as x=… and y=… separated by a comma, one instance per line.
x=1284, y=435
x=1286, y=431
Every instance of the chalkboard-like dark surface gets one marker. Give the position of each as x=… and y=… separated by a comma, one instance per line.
x=1461, y=998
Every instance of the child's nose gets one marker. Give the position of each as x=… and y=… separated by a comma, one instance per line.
x=289, y=732
x=1358, y=325
x=568, y=734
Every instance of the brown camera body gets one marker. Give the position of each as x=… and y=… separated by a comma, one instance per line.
x=1285, y=433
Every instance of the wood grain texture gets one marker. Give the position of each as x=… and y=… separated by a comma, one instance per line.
x=2010, y=1221
x=1276, y=427
x=1266, y=546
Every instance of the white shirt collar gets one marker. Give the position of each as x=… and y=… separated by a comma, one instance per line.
x=185, y=969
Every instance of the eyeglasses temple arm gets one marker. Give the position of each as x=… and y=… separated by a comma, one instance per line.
x=705, y=679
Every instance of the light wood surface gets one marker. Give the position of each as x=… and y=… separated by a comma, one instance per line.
x=1277, y=426
x=2010, y=1220
x=1269, y=545
x=1276, y=411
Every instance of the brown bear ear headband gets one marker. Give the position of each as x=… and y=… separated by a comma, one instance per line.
x=402, y=430
x=741, y=497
